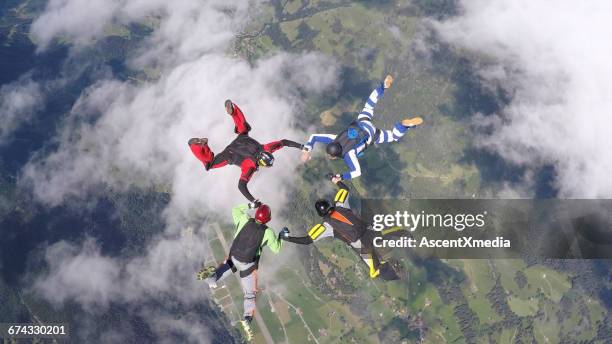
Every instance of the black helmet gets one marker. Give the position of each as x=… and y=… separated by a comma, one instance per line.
x=323, y=207
x=265, y=159
x=334, y=149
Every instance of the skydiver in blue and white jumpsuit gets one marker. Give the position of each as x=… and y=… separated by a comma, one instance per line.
x=375, y=135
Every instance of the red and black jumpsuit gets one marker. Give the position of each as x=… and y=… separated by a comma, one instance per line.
x=243, y=152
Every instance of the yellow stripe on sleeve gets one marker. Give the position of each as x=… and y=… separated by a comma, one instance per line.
x=341, y=195
x=319, y=232
x=314, y=229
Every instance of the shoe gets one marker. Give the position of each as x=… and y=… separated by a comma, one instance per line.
x=205, y=273
x=412, y=122
x=388, y=81
x=197, y=141
x=229, y=107
x=246, y=327
x=212, y=283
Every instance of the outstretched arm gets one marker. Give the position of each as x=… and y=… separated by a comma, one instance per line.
x=305, y=240
x=276, y=145
x=242, y=186
x=318, y=231
x=271, y=240
x=341, y=199
x=248, y=169
x=318, y=138
x=353, y=164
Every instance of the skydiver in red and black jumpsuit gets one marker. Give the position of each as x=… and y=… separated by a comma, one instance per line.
x=244, y=151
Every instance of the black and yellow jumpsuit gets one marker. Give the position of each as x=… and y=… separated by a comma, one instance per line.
x=344, y=224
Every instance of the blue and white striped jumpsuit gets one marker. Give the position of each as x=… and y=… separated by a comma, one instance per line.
x=364, y=120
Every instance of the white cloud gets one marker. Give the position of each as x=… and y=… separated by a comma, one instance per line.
x=182, y=29
x=124, y=134
x=19, y=101
x=81, y=21
x=136, y=134
x=83, y=274
x=79, y=273
x=141, y=136
x=552, y=57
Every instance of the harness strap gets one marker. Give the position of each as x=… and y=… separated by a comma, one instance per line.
x=377, y=132
x=245, y=273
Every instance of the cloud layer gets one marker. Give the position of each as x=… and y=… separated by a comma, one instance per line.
x=124, y=133
x=553, y=60
x=19, y=101
x=81, y=273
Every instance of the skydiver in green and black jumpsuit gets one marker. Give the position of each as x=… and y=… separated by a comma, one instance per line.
x=252, y=234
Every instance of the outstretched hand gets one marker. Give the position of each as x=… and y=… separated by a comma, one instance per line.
x=305, y=156
x=284, y=233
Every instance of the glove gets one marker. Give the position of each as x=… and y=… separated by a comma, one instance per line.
x=284, y=233
x=255, y=204
x=334, y=177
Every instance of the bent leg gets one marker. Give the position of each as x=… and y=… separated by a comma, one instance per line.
x=368, y=254
x=224, y=270
x=220, y=160
x=206, y=155
x=392, y=135
x=200, y=149
x=240, y=124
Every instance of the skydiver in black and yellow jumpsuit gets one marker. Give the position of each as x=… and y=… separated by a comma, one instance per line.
x=340, y=222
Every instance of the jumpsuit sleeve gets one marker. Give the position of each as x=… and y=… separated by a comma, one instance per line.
x=271, y=240
x=320, y=231
x=351, y=161
x=248, y=169
x=318, y=138
x=305, y=240
x=276, y=145
x=240, y=216
x=342, y=195
x=316, y=232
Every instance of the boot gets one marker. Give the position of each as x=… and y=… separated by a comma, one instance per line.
x=198, y=141
x=205, y=273
x=388, y=81
x=246, y=327
x=412, y=122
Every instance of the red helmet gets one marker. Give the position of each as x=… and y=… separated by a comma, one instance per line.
x=263, y=214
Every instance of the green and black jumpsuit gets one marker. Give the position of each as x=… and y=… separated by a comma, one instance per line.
x=249, y=240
